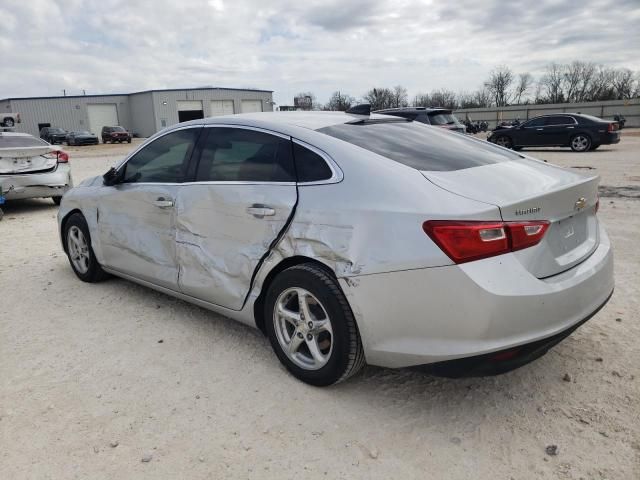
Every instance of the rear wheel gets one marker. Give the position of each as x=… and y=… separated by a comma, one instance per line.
x=78, y=246
x=9, y=122
x=504, y=141
x=580, y=143
x=311, y=327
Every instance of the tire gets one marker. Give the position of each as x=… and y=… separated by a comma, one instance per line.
x=56, y=200
x=129, y=141
x=594, y=147
x=85, y=265
x=9, y=122
x=580, y=142
x=504, y=141
x=328, y=328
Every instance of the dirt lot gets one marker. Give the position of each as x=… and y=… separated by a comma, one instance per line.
x=97, y=377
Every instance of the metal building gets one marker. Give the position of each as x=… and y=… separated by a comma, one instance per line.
x=142, y=113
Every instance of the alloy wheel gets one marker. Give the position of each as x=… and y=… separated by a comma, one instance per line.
x=580, y=143
x=303, y=328
x=78, y=249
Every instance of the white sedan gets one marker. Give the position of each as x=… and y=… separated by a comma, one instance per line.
x=352, y=238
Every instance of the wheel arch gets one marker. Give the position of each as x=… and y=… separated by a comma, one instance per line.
x=258, y=305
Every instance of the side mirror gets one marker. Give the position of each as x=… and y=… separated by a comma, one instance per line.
x=112, y=177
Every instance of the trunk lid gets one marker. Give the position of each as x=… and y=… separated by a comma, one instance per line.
x=21, y=153
x=528, y=189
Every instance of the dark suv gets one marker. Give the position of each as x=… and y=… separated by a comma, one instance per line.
x=53, y=135
x=440, y=117
x=578, y=131
x=115, y=134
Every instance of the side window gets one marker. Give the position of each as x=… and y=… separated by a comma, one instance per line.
x=310, y=166
x=536, y=122
x=163, y=161
x=559, y=120
x=243, y=155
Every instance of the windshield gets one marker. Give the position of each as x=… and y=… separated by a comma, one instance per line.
x=20, y=141
x=83, y=132
x=57, y=130
x=117, y=129
x=443, y=118
x=420, y=146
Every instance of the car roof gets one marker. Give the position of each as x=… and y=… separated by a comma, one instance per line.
x=304, y=119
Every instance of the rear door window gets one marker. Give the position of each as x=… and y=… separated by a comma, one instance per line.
x=244, y=155
x=310, y=167
x=559, y=120
x=420, y=146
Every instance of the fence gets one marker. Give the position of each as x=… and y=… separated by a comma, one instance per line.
x=630, y=109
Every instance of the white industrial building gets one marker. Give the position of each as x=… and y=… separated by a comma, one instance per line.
x=142, y=113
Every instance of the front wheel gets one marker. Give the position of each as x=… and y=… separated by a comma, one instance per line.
x=9, y=122
x=311, y=327
x=78, y=246
x=504, y=141
x=580, y=143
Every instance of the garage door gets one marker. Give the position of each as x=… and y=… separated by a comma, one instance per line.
x=189, y=110
x=251, y=106
x=221, y=107
x=102, y=115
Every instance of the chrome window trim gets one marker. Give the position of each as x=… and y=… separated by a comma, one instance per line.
x=336, y=173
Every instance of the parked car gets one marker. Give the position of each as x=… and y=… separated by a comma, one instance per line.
x=53, y=135
x=82, y=138
x=9, y=119
x=618, y=117
x=578, y=131
x=32, y=168
x=115, y=134
x=348, y=238
x=441, y=117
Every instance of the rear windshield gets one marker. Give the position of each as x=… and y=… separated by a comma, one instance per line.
x=442, y=118
x=420, y=146
x=20, y=141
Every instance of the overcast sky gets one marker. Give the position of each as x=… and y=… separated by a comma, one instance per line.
x=112, y=46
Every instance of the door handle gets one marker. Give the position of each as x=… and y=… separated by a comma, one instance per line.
x=538, y=129
x=259, y=210
x=571, y=127
x=162, y=202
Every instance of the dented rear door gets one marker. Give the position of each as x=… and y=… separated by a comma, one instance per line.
x=229, y=218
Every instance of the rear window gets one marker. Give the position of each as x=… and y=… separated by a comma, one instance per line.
x=443, y=118
x=20, y=141
x=420, y=146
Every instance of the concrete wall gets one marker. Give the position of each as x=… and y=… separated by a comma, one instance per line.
x=606, y=110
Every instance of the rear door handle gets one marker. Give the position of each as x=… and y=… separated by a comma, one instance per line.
x=162, y=202
x=259, y=210
x=571, y=127
x=538, y=129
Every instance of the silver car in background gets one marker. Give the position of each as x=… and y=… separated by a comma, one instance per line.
x=32, y=168
x=352, y=238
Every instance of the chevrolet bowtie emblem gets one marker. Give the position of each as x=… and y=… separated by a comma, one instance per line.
x=580, y=203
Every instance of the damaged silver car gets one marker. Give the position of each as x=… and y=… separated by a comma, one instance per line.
x=352, y=238
x=32, y=168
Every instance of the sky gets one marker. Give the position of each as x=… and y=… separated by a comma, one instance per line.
x=113, y=46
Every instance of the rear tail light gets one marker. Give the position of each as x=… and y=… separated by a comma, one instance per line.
x=61, y=157
x=612, y=127
x=597, y=205
x=468, y=241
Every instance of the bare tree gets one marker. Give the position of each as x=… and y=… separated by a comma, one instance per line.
x=623, y=83
x=444, y=98
x=522, y=87
x=552, y=83
x=379, y=98
x=399, y=96
x=500, y=79
x=422, y=100
x=482, y=97
x=339, y=102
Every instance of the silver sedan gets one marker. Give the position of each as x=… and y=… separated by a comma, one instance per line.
x=352, y=238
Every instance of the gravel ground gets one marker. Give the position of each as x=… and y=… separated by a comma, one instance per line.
x=113, y=380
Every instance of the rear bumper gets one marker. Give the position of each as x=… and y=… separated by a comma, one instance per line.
x=430, y=315
x=610, y=138
x=35, y=185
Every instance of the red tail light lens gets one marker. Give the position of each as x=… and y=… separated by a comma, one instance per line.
x=612, y=127
x=468, y=241
x=62, y=157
